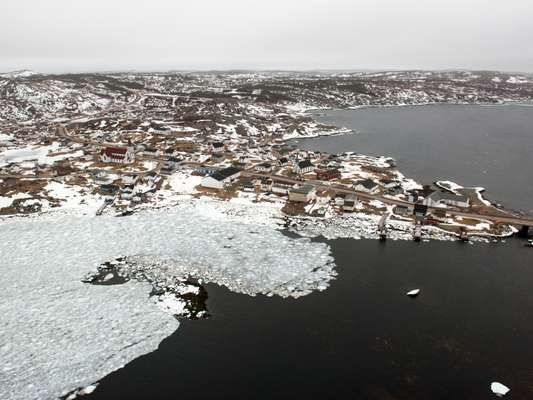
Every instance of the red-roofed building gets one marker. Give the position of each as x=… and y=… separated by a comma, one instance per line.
x=119, y=155
x=327, y=174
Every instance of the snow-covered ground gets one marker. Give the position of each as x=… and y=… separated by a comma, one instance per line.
x=59, y=334
x=39, y=153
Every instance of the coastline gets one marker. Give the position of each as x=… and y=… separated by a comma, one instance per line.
x=243, y=209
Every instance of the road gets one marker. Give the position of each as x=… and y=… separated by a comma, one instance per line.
x=506, y=219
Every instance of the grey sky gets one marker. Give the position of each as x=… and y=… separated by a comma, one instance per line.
x=71, y=35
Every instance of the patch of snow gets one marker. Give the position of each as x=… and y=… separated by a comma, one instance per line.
x=18, y=74
x=516, y=80
x=449, y=185
x=5, y=138
x=377, y=204
x=39, y=153
x=184, y=183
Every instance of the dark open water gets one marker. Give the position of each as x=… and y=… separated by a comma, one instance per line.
x=362, y=338
x=488, y=146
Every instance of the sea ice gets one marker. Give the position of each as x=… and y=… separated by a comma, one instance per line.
x=499, y=389
x=59, y=334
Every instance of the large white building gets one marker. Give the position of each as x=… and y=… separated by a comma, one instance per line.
x=222, y=178
x=442, y=198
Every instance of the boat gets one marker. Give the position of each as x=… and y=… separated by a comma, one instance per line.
x=529, y=243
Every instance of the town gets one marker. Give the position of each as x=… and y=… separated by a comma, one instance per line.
x=150, y=150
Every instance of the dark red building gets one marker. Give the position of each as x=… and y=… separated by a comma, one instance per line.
x=327, y=174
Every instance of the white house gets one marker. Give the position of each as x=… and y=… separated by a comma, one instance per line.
x=130, y=179
x=217, y=147
x=283, y=161
x=151, y=152
x=441, y=198
x=264, y=167
x=304, y=167
x=323, y=197
x=281, y=188
x=303, y=194
x=222, y=178
x=349, y=202
x=266, y=184
x=367, y=186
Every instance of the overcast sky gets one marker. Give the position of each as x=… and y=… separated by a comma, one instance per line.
x=96, y=35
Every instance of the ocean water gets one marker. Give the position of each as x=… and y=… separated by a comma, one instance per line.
x=363, y=338
x=487, y=146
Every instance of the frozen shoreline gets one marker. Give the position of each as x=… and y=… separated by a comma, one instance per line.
x=55, y=325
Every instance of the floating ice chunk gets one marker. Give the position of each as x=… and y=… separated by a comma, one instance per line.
x=498, y=389
x=413, y=293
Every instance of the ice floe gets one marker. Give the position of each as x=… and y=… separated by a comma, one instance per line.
x=59, y=334
x=498, y=389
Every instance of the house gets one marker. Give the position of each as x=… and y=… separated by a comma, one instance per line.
x=62, y=168
x=339, y=199
x=100, y=176
x=367, y=186
x=217, y=147
x=151, y=152
x=403, y=210
x=395, y=191
x=247, y=185
x=281, y=188
x=118, y=155
x=170, y=166
x=327, y=174
x=283, y=162
x=167, y=169
x=439, y=213
x=151, y=177
x=323, y=197
x=174, y=160
x=108, y=189
x=412, y=196
x=303, y=167
x=390, y=184
x=420, y=211
x=266, y=184
x=170, y=152
x=264, y=167
x=349, y=202
x=302, y=194
x=221, y=178
x=442, y=198
x=130, y=179
x=126, y=192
